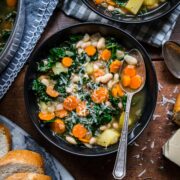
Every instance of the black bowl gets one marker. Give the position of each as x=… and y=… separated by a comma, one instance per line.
x=42, y=52
x=150, y=16
x=14, y=40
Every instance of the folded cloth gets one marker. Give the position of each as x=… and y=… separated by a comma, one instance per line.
x=153, y=33
x=37, y=15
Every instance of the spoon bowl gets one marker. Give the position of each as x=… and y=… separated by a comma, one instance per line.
x=171, y=54
x=134, y=57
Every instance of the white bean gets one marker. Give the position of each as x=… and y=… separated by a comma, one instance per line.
x=59, y=106
x=75, y=78
x=108, y=125
x=92, y=140
x=116, y=77
x=111, y=8
x=103, y=127
x=95, y=66
x=108, y=103
x=104, y=79
x=88, y=145
x=101, y=43
x=120, y=105
x=45, y=82
x=80, y=50
x=79, y=44
x=86, y=38
x=112, y=83
x=86, y=44
x=115, y=125
x=71, y=140
x=119, y=54
x=130, y=60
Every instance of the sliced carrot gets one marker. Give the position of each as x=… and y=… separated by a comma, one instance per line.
x=46, y=116
x=67, y=61
x=99, y=1
x=51, y=92
x=130, y=70
x=58, y=126
x=81, y=109
x=98, y=72
x=136, y=82
x=11, y=3
x=117, y=90
x=106, y=55
x=79, y=131
x=100, y=95
x=90, y=50
x=126, y=80
x=112, y=3
x=70, y=103
x=61, y=113
x=115, y=66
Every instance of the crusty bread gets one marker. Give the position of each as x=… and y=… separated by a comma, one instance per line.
x=5, y=140
x=20, y=161
x=28, y=176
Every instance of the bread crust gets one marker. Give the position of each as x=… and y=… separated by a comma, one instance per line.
x=22, y=157
x=28, y=176
x=7, y=133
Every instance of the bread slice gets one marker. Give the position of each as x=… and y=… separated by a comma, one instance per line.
x=5, y=140
x=28, y=176
x=20, y=161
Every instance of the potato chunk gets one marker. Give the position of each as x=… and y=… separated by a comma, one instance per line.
x=108, y=137
x=134, y=6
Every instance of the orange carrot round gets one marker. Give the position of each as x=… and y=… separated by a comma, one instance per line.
x=126, y=80
x=81, y=109
x=106, y=55
x=61, y=113
x=58, y=126
x=67, y=61
x=11, y=3
x=99, y=1
x=100, y=95
x=79, y=131
x=90, y=50
x=115, y=66
x=70, y=103
x=46, y=116
x=117, y=91
x=51, y=92
x=136, y=82
x=98, y=72
x=130, y=70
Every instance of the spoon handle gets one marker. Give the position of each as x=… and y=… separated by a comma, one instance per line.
x=120, y=165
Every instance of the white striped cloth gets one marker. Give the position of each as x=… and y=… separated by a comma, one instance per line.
x=154, y=33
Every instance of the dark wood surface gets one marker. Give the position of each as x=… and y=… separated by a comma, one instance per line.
x=141, y=156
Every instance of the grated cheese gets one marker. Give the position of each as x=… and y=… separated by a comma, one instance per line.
x=142, y=173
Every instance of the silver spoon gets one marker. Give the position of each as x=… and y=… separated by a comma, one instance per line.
x=119, y=171
x=171, y=54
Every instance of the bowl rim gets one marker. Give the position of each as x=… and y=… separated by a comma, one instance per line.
x=20, y=19
x=129, y=22
x=27, y=100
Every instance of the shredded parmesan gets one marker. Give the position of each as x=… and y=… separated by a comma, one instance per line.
x=160, y=87
x=142, y=173
x=166, y=100
x=137, y=156
x=176, y=90
x=135, y=144
x=155, y=116
x=152, y=145
x=145, y=147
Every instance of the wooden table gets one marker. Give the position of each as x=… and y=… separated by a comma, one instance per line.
x=144, y=156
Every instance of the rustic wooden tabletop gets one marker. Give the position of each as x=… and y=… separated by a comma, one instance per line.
x=145, y=159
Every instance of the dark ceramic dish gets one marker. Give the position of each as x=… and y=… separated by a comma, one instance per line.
x=42, y=52
x=15, y=38
x=159, y=12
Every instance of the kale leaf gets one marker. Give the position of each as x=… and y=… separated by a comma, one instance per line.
x=40, y=91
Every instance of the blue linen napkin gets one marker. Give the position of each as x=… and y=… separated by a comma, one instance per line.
x=37, y=15
x=154, y=33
